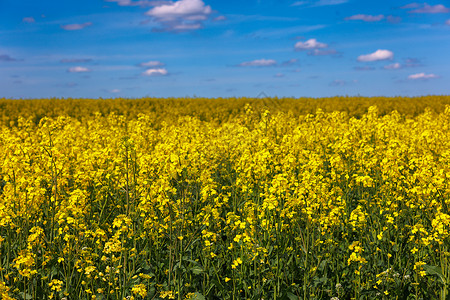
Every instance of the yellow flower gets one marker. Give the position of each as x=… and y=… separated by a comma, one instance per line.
x=167, y=294
x=418, y=265
x=56, y=285
x=89, y=270
x=139, y=289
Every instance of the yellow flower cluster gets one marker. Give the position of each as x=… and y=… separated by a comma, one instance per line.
x=232, y=198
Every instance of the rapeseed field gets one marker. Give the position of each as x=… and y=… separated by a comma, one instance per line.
x=336, y=198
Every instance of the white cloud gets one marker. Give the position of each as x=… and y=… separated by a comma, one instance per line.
x=285, y=31
x=393, y=19
x=115, y=91
x=78, y=70
x=329, y=2
x=447, y=22
x=366, y=18
x=142, y=3
x=259, y=63
x=122, y=2
x=318, y=52
x=289, y=62
x=393, y=66
x=298, y=3
x=75, y=60
x=186, y=27
x=431, y=9
x=220, y=18
x=182, y=15
x=319, y=3
x=279, y=75
x=151, y=64
x=155, y=72
x=377, y=55
x=422, y=76
x=315, y=48
x=364, y=68
x=341, y=82
x=76, y=26
x=309, y=45
x=28, y=20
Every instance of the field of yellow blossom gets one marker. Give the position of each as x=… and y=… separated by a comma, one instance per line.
x=334, y=198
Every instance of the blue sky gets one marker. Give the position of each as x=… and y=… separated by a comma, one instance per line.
x=211, y=48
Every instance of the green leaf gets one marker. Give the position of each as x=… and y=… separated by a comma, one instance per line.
x=100, y=297
x=292, y=296
x=322, y=265
x=26, y=296
x=197, y=270
x=435, y=270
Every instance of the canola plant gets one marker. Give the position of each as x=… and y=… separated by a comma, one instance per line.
x=337, y=198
